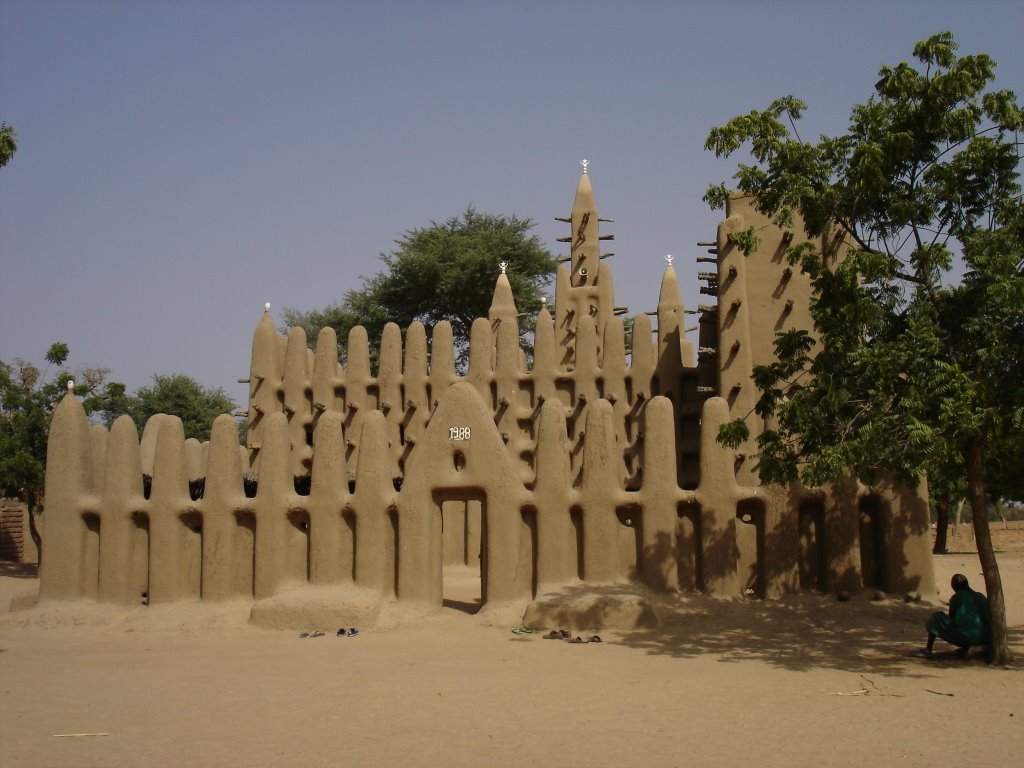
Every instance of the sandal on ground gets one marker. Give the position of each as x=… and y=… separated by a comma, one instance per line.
x=577, y=639
x=595, y=639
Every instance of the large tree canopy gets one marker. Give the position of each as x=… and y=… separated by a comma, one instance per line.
x=177, y=395
x=445, y=271
x=919, y=326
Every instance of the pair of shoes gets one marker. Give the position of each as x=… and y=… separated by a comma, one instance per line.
x=347, y=632
x=558, y=634
x=521, y=630
x=316, y=633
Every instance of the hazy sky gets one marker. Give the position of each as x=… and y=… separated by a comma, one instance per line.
x=180, y=163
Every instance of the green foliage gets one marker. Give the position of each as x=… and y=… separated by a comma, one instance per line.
x=8, y=146
x=445, y=271
x=746, y=241
x=176, y=395
x=733, y=433
x=27, y=400
x=914, y=362
x=716, y=196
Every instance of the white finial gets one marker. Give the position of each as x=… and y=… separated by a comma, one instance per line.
x=543, y=300
x=584, y=163
x=266, y=307
x=669, y=258
x=71, y=385
x=504, y=266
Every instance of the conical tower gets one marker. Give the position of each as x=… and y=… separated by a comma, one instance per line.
x=583, y=285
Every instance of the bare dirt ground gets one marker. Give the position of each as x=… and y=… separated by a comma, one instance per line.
x=799, y=681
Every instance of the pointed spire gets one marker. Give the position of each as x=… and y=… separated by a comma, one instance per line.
x=503, y=303
x=670, y=296
x=670, y=305
x=584, y=249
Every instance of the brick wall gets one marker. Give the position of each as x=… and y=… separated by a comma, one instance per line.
x=15, y=541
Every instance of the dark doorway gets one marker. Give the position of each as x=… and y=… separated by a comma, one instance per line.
x=872, y=544
x=750, y=515
x=813, y=573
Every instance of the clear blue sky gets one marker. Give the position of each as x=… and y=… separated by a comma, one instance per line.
x=180, y=163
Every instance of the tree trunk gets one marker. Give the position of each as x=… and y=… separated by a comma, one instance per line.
x=33, y=507
x=959, y=510
x=1001, y=511
x=999, y=650
x=941, y=524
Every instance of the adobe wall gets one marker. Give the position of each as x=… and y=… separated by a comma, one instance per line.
x=591, y=463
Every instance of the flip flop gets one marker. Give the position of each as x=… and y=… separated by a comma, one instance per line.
x=521, y=630
x=341, y=632
x=303, y=634
x=352, y=632
x=595, y=639
x=565, y=633
x=318, y=633
x=554, y=634
x=577, y=640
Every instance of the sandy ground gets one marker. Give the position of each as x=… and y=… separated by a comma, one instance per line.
x=800, y=681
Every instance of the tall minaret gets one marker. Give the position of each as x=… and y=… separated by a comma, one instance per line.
x=584, y=287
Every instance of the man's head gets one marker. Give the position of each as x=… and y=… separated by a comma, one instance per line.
x=959, y=582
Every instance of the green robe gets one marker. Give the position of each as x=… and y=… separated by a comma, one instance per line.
x=967, y=621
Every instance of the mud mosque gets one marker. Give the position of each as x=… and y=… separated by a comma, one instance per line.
x=590, y=463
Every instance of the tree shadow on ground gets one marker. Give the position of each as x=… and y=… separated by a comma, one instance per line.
x=797, y=632
x=802, y=632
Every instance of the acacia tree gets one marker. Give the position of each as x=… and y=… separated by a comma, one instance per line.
x=921, y=322
x=445, y=271
x=174, y=394
x=27, y=400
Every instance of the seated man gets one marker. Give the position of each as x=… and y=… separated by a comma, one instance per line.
x=967, y=621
